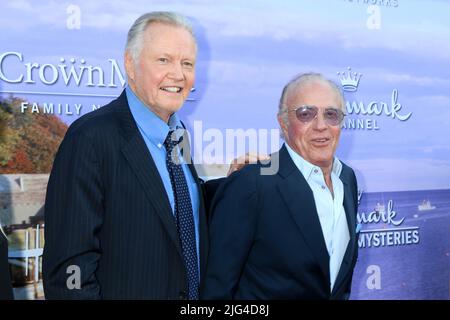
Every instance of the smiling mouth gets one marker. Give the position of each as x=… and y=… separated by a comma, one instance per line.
x=321, y=141
x=172, y=89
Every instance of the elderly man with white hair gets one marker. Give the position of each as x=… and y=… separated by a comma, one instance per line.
x=290, y=234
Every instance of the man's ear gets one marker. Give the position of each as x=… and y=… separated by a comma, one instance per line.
x=129, y=66
x=283, y=126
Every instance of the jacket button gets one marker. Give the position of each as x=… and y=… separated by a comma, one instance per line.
x=182, y=295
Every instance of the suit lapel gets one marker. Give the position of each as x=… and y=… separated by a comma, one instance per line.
x=141, y=162
x=350, y=214
x=203, y=232
x=299, y=198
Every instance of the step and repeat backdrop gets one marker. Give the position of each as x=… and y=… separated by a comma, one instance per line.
x=62, y=59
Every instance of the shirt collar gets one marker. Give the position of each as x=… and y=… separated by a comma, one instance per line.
x=307, y=168
x=153, y=126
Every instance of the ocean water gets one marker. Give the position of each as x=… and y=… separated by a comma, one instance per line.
x=415, y=262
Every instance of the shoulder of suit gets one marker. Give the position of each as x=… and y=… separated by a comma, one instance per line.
x=347, y=172
x=252, y=174
x=345, y=168
x=104, y=118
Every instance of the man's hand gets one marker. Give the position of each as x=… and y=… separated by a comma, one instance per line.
x=242, y=161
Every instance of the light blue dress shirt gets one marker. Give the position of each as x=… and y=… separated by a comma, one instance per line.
x=330, y=209
x=154, y=131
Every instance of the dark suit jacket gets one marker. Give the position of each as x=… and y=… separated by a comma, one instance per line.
x=266, y=241
x=6, y=292
x=107, y=212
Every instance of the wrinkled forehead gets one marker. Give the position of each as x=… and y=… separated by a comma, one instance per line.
x=167, y=32
x=317, y=93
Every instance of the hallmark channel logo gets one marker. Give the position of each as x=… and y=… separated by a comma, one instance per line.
x=388, y=230
x=349, y=81
x=361, y=115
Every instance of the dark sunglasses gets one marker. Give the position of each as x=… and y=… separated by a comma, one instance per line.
x=333, y=116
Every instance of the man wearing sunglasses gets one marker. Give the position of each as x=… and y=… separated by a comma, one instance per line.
x=292, y=234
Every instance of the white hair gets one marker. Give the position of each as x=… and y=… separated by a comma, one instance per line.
x=298, y=83
x=135, y=38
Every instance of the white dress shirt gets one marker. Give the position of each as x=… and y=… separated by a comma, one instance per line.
x=333, y=220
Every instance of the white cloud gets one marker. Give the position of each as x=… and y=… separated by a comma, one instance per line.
x=252, y=75
x=435, y=148
x=20, y=5
x=414, y=80
x=227, y=18
x=293, y=20
x=439, y=114
x=277, y=73
x=435, y=100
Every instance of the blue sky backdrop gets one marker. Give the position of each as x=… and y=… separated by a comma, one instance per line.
x=248, y=50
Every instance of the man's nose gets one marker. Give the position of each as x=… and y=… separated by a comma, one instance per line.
x=319, y=122
x=176, y=71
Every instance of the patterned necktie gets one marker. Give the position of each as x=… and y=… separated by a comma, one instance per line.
x=183, y=215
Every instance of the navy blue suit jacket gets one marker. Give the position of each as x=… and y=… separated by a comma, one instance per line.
x=266, y=241
x=107, y=212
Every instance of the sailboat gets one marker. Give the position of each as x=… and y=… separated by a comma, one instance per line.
x=425, y=206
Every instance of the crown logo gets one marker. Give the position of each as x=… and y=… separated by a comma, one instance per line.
x=349, y=81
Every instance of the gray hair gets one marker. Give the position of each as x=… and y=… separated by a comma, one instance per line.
x=135, y=38
x=298, y=83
